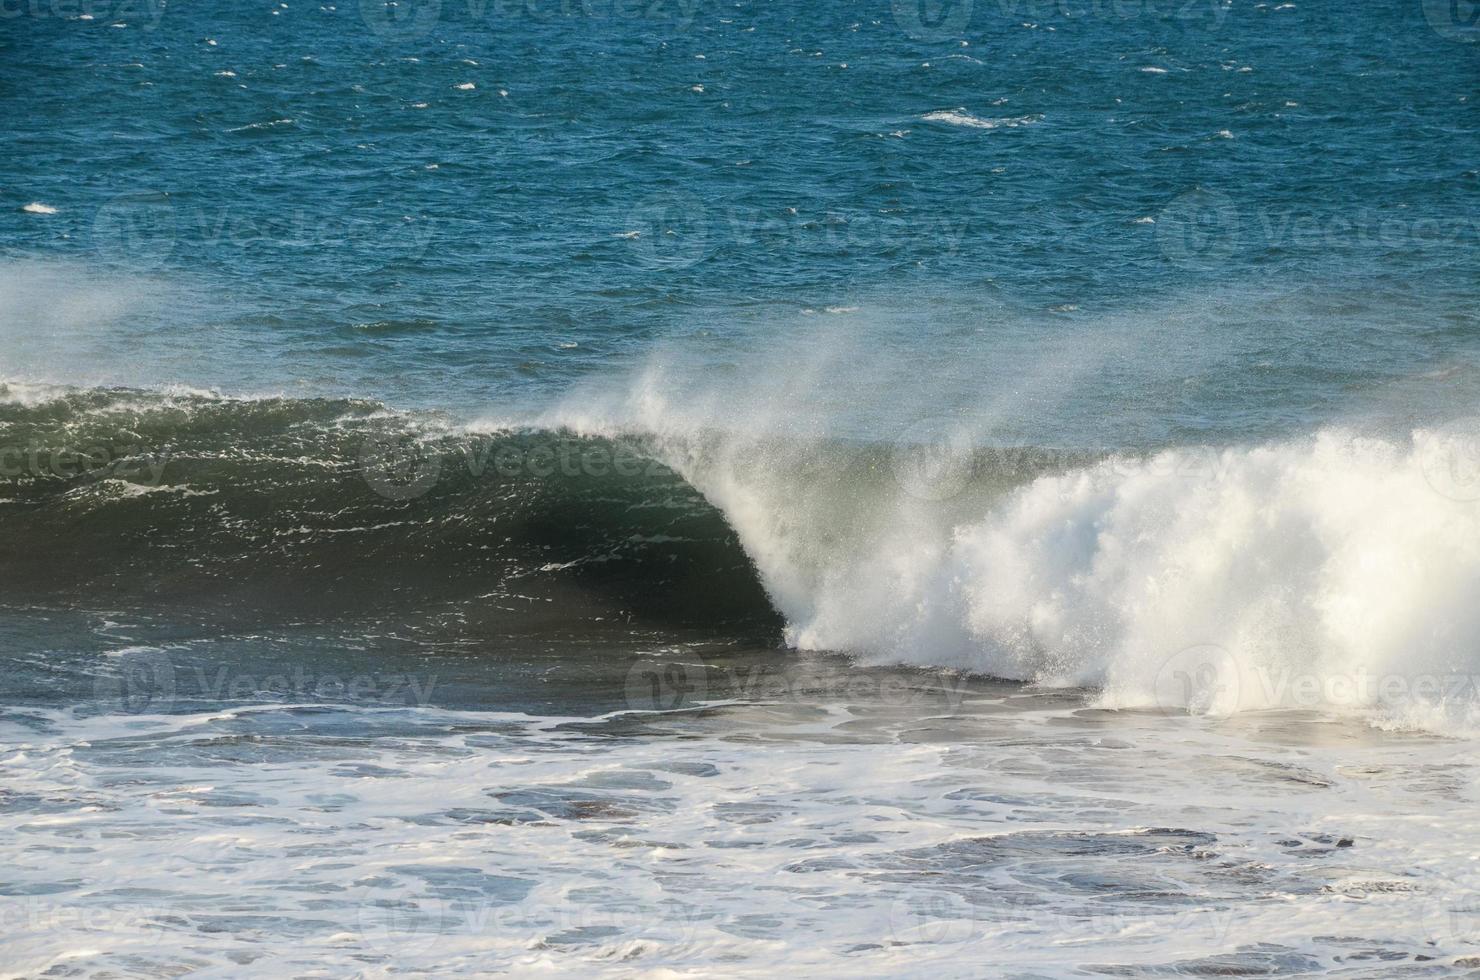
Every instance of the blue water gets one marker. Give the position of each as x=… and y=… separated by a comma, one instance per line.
x=298, y=202
x=698, y=488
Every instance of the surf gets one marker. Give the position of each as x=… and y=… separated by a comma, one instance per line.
x=1192, y=578
x=1188, y=578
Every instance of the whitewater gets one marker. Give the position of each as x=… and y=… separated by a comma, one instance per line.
x=673, y=490
x=675, y=669
x=1202, y=577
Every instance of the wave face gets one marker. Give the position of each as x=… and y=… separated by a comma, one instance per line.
x=1329, y=570
x=291, y=508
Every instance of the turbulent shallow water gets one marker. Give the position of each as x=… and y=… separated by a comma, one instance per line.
x=794, y=811
x=978, y=489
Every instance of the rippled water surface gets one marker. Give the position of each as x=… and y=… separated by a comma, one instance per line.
x=686, y=488
x=810, y=813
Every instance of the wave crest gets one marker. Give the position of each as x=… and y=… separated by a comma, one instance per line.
x=1329, y=571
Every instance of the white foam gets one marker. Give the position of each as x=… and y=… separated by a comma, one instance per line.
x=30, y=394
x=1332, y=570
x=269, y=124
x=851, y=844
x=960, y=117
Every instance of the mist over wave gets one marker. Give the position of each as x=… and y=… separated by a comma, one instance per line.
x=951, y=519
x=1331, y=569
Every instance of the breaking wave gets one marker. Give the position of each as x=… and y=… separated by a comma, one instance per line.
x=1335, y=569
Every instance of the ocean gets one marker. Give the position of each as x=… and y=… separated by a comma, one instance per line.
x=928, y=488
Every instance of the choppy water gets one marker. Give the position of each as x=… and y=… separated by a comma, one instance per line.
x=946, y=489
